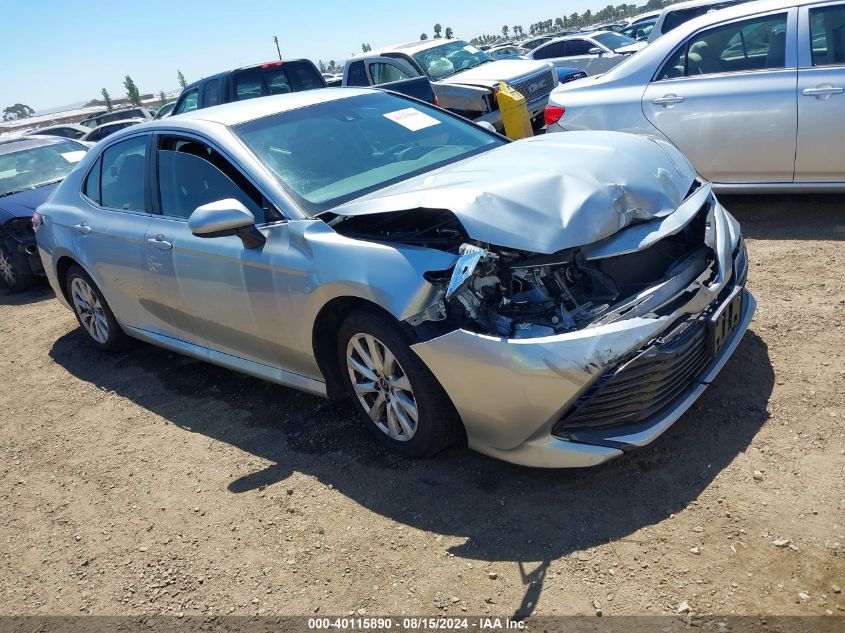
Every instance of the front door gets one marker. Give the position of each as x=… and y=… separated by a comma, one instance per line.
x=821, y=94
x=726, y=99
x=216, y=293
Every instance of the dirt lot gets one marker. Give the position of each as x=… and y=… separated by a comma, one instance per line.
x=148, y=483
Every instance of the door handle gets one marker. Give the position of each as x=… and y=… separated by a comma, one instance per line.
x=822, y=92
x=667, y=100
x=160, y=243
x=83, y=228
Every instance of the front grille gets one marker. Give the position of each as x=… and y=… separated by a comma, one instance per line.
x=644, y=385
x=536, y=86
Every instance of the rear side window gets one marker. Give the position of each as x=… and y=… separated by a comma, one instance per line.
x=91, y=188
x=123, y=171
x=758, y=44
x=192, y=174
x=211, y=93
x=276, y=79
x=356, y=75
x=189, y=102
x=827, y=35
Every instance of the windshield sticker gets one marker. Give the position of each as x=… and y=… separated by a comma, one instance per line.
x=470, y=49
x=73, y=157
x=412, y=119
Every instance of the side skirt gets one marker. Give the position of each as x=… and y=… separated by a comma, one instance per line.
x=235, y=363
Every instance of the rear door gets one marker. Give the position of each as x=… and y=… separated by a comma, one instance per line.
x=111, y=233
x=820, y=156
x=726, y=99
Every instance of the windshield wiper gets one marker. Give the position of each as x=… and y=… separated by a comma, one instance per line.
x=31, y=187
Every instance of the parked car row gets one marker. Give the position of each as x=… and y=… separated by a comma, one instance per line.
x=753, y=95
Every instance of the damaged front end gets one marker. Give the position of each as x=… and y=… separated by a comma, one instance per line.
x=515, y=294
x=569, y=358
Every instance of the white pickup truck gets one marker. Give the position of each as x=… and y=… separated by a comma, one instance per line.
x=465, y=79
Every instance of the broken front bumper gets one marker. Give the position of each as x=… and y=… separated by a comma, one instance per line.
x=571, y=400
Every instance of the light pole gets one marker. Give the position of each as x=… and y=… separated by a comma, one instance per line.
x=278, y=50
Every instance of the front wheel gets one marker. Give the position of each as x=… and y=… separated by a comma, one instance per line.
x=93, y=313
x=402, y=403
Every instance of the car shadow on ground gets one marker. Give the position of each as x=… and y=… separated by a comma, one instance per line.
x=789, y=217
x=504, y=512
x=38, y=293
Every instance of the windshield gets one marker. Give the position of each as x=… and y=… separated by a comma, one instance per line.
x=450, y=58
x=612, y=40
x=329, y=153
x=35, y=166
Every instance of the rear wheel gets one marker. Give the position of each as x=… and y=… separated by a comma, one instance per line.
x=11, y=276
x=402, y=403
x=93, y=313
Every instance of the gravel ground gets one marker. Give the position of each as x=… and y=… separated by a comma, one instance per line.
x=149, y=483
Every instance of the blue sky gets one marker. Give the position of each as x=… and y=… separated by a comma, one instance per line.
x=64, y=51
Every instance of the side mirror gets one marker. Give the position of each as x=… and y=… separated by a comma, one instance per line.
x=595, y=51
x=224, y=218
x=486, y=125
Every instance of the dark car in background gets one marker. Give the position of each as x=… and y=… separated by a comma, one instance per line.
x=261, y=80
x=96, y=120
x=30, y=169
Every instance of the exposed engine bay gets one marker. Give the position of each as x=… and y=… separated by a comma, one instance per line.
x=516, y=294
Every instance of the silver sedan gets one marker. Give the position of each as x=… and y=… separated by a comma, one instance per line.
x=556, y=301
x=753, y=95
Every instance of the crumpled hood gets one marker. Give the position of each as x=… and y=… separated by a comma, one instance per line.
x=547, y=193
x=491, y=73
x=23, y=204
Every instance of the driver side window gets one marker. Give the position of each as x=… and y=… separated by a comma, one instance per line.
x=191, y=174
x=189, y=103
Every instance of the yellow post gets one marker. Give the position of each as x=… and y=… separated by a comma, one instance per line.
x=515, y=117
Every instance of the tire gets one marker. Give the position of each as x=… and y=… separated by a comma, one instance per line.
x=12, y=278
x=405, y=385
x=93, y=312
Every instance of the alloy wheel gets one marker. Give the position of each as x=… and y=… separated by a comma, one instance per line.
x=382, y=387
x=7, y=269
x=90, y=310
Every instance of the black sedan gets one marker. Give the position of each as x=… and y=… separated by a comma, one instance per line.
x=30, y=168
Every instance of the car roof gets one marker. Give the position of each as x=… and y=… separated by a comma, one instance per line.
x=242, y=111
x=408, y=47
x=17, y=143
x=118, y=122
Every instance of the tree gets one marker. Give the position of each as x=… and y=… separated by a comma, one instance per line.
x=366, y=48
x=322, y=65
x=182, y=83
x=559, y=23
x=653, y=5
x=132, y=93
x=449, y=32
x=332, y=66
x=17, y=111
x=505, y=32
x=423, y=36
x=107, y=99
x=437, y=29
x=162, y=97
